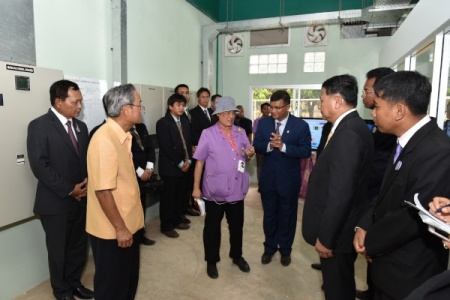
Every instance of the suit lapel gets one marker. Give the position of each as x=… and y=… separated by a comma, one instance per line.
x=393, y=169
x=287, y=128
x=202, y=111
x=61, y=130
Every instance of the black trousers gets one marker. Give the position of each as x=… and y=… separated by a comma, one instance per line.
x=171, y=204
x=259, y=164
x=338, y=273
x=144, y=207
x=67, y=241
x=188, y=201
x=212, y=234
x=116, y=269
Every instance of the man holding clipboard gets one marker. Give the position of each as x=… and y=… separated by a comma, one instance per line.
x=390, y=234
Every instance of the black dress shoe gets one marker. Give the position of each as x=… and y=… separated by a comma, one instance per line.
x=185, y=220
x=192, y=212
x=363, y=295
x=211, y=269
x=242, y=264
x=83, y=293
x=170, y=233
x=317, y=267
x=182, y=226
x=146, y=241
x=285, y=260
x=266, y=258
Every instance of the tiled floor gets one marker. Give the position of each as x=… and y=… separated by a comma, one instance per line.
x=175, y=268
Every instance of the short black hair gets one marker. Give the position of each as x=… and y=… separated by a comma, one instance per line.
x=179, y=86
x=213, y=97
x=60, y=89
x=265, y=104
x=409, y=87
x=344, y=85
x=201, y=90
x=378, y=73
x=281, y=95
x=176, y=98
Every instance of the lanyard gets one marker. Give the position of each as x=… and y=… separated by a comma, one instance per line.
x=231, y=141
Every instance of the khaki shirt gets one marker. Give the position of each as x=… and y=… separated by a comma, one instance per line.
x=110, y=167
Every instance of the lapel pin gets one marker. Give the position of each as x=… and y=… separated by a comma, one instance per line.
x=77, y=129
x=287, y=131
x=398, y=165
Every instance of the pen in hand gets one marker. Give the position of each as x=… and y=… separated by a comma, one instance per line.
x=439, y=210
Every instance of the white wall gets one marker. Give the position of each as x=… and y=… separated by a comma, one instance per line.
x=343, y=56
x=164, y=42
x=74, y=36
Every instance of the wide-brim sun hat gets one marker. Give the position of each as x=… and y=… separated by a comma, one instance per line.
x=225, y=104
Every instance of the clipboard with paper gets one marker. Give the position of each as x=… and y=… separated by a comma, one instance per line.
x=432, y=222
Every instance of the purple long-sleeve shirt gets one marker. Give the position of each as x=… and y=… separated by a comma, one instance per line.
x=221, y=179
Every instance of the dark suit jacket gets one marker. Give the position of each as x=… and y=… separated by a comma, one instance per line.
x=246, y=124
x=142, y=156
x=404, y=254
x=55, y=163
x=384, y=145
x=199, y=121
x=337, y=190
x=171, y=151
x=281, y=171
x=323, y=138
x=91, y=134
x=435, y=288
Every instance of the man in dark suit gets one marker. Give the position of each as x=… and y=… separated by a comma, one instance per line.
x=175, y=158
x=391, y=235
x=337, y=191
x=188, y=209
x=214, y=98
x=57, y=146
x=243, y=122
x=201, y=115
x=284, y=140
x=384, y=144
x=183, y=89
x=143, y=159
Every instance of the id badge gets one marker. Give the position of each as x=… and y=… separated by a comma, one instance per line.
x=241, y=166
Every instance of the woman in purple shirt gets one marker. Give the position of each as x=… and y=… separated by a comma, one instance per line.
x=222, y=151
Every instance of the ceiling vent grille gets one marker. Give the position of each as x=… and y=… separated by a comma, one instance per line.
x=269, y=38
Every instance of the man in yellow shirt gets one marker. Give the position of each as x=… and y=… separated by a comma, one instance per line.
x=114, y=210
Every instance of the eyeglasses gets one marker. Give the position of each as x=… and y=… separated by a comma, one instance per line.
x=364, y=92
x=141, y=107
x=277, y=108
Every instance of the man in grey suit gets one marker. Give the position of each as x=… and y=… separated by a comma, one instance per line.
x=338, y=185
x=57, y=147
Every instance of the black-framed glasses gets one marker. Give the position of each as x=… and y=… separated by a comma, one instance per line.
x=277, y=108
x=141, y=107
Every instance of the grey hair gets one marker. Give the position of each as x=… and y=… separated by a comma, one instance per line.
x=118, y=97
